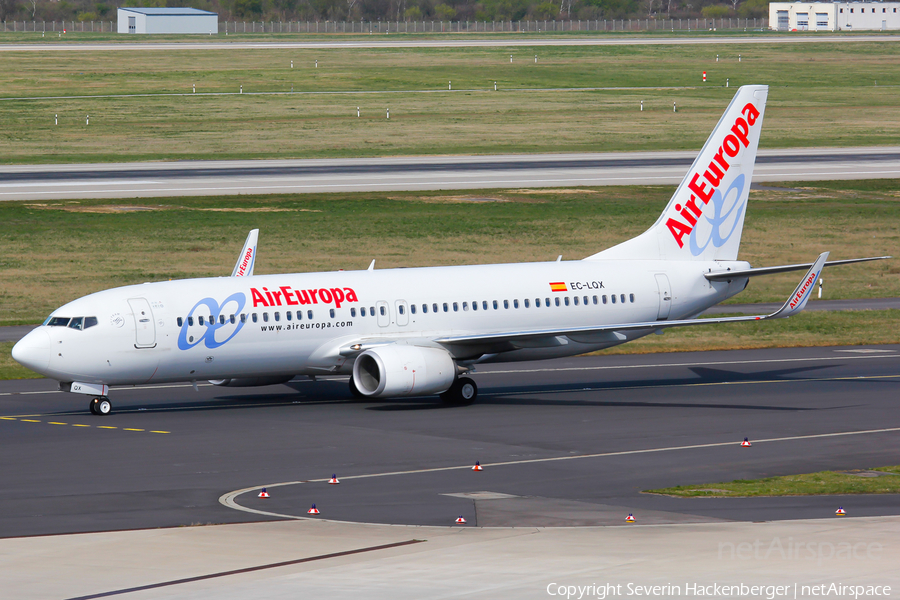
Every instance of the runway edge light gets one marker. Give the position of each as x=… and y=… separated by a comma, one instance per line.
x=313, y=510
x=629, y=518
x=460, y=520
x=840, y=512
x=745, y=443
x=264, y=493
x=334, y=479
x=478, y=466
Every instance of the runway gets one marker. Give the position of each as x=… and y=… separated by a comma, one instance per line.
x=564, y=443
x=361, y=42
x=204, y=178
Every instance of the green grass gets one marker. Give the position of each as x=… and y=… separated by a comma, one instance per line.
x=809, y=484
x=537, y=107
x=54, y=252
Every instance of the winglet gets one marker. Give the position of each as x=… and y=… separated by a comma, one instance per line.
x=804, y=290
x=244, y=265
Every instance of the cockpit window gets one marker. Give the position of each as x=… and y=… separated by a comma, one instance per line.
x=57, y=321
x=76, y=323
x=89, y=322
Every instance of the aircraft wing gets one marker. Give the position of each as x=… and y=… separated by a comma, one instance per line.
x=244, y=265
x=726, y=275
x=545, y=337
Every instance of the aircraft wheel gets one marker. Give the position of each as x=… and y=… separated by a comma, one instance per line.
x=104, y=406
x=462, y=392
x=93, y=405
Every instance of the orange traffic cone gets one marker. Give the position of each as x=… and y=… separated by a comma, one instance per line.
x=629, y=518
x=460, y=520
x=313, y=510
x=745, y=443
x=334, y=479
x=477, y=466
x=840, y=512
x=264, y=493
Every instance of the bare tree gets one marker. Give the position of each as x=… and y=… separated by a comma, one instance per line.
x=734, y=4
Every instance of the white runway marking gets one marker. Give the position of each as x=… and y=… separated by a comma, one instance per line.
x=229, y=499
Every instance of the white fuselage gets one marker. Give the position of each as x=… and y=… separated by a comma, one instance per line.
x=293, y=324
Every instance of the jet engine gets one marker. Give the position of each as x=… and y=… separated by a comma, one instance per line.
x=399, y=370
x=252, y=381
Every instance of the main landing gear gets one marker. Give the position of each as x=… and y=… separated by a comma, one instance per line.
x=462, y=392
x=101, y=406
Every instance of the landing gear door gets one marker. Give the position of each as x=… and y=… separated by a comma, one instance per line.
x=145, y=329
x=665, y=296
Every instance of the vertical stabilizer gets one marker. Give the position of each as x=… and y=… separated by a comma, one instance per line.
x=244, y=265
x=705, y=217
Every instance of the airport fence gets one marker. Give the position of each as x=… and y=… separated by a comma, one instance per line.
x=388, y=27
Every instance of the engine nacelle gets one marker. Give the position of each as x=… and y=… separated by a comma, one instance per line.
x=252, y=381
x=399, y=370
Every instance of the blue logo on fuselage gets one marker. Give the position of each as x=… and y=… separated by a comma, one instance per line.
x=213, y=322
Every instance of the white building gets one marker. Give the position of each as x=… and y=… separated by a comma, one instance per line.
x=167, y=20
x=834, y=16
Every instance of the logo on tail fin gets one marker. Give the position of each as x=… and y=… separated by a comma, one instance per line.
x=706, y=191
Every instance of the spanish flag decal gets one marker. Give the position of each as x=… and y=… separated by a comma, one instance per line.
x=558, y=286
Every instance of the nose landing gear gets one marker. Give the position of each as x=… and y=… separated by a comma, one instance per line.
x=101, y=406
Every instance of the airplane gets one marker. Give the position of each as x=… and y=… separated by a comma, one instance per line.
x=422, y=331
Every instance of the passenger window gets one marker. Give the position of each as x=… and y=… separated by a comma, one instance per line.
x=265, y=317
x=495, y=305
x=277, y=316
x=465, y=306
x=585, y=301
x=506, y=304
x=613, y=298
x=446, y=307
x=537, y=302
x=299, y=315
x=191, y=321
x=455, y=307
x=400, y=309
x=604, y=298
x=484, y=304
x=352, y=312
x=222, y=319
x=424, y=308
x=371, y=311
x=475, y=305
x=243, y=317
x=382, y=310
x=362, y=311
x=179, y=321
x=255, y=318
x=527, y=303
x=516, y=303
x=287, y=315
x=91, y=321
x=631, y=297
x=76, y=323
x=309, y=315
x=434, y=307
x=331, y=313
x=622, y=298
x=557, y=300
x=231, y=319
x=595, y=300
x=200, y=320
x=412, y=308
x=212, y=319
x=566, y=300
x=576, y=300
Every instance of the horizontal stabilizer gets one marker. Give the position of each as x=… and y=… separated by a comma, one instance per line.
x=726, y=275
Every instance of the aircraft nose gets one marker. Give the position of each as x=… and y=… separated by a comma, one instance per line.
x=33, y=351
